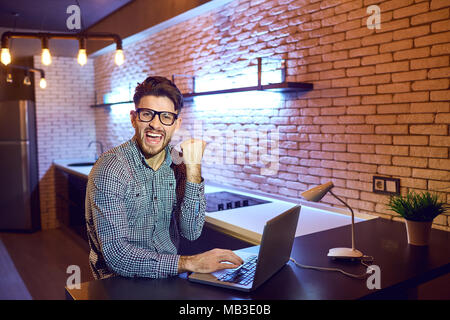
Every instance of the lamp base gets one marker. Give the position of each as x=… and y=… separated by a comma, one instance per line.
x=344, y=253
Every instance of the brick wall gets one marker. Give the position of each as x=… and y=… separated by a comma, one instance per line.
x=65, y=124
x=380, y=103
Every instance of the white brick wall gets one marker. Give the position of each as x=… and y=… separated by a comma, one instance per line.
x=65, y=123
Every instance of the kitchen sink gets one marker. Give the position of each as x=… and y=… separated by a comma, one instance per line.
x=81, y=164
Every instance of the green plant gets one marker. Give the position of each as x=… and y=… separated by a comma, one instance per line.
x=417, y=206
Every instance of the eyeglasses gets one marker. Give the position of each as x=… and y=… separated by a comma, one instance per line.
x=146, y=115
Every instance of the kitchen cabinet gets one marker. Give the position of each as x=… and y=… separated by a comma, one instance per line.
x=70, y=195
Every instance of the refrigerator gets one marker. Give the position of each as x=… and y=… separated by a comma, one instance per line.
x=19, y=190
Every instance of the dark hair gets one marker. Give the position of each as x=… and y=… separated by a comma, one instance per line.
x=159, y=87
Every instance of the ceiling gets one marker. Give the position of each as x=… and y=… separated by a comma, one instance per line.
x=51, y=15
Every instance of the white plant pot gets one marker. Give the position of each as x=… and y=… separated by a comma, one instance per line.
x=418, y=232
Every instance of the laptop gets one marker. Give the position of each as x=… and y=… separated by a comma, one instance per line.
x=274, y=252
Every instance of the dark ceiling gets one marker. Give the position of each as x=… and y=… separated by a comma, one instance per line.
x=51, y=15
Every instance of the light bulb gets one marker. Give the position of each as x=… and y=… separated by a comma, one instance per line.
x=9, y=78
x=46, y=57
x=27, y=80
x=43, y=83
x=82, y=57
x=119, y=58
x=5, y=56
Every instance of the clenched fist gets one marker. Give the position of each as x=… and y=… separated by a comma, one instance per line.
x=192, y=157
x=193, y=151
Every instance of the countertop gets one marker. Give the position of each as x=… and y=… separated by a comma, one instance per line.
x=247, y=223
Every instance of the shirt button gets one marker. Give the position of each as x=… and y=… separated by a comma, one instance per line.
x=155, y=198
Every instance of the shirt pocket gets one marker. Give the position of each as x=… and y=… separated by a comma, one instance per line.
x=138, y=204
x=168, y=194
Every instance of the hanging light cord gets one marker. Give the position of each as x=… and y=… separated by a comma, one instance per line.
x=364, y=260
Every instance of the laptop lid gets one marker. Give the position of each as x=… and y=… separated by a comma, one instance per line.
x=276, y=245
x=274, y=252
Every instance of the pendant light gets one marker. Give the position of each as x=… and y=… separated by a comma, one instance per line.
x=5, y=56
x=26, y=79
x=46, y=57
x=82, y=57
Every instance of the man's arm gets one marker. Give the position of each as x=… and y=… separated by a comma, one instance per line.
x=194, y=203
x=215, y=259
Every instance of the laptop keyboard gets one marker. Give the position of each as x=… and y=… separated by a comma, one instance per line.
x=244, y=274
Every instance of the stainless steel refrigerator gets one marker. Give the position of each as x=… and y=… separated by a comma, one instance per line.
x=19, y=191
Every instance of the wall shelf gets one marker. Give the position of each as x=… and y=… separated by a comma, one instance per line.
x=283, y=87
x=274, y=87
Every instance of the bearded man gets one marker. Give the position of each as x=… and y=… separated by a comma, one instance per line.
x=139, y=202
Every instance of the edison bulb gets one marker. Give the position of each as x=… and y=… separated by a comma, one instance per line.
x=43, y=83
x=82, y=57
x=5, y=56
x=27, y=80
x=119, y=58
x=46, y=57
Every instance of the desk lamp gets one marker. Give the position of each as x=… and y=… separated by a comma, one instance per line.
x=316, y=194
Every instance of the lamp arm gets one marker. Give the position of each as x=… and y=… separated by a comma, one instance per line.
x=353, y=217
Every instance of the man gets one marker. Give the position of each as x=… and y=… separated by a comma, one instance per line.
x=139, y=202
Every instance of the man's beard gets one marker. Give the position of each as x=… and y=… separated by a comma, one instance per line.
x=148, y=149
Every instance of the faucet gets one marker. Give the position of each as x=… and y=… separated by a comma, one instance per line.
x=101, y=148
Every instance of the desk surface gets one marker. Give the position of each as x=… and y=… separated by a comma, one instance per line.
x=402, y=267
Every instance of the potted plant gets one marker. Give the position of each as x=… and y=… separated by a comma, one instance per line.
x=418, y=210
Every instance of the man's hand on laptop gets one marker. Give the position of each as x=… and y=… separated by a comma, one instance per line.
x=209, y=261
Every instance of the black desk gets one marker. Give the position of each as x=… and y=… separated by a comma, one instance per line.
x=403, y=267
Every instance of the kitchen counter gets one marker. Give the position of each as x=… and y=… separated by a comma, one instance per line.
x=247, y=223
x=80, y=171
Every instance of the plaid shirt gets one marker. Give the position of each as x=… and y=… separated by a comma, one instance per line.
x=135, y=215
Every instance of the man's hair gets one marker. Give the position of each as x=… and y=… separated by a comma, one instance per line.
x=159, y=87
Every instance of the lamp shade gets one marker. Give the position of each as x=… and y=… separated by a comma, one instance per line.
x=317, y=193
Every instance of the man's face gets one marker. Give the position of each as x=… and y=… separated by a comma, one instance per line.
x=154, y=136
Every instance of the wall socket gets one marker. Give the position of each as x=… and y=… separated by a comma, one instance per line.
x=386, y=185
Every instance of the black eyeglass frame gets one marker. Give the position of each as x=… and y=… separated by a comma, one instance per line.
x=138, y=111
